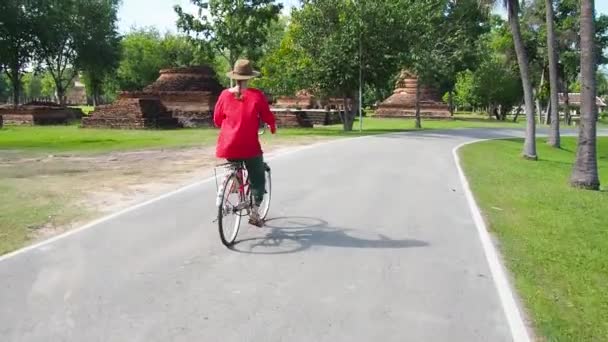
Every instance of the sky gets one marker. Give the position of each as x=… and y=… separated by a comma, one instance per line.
x=160, y=13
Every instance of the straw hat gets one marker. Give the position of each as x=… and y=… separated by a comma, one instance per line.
x=242, y=71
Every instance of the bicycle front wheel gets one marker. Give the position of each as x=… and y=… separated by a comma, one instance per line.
x=230, y=210
x=265, y=206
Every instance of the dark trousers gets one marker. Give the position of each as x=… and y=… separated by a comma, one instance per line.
x=257, y=179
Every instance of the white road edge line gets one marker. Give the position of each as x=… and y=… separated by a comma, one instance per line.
x=518, y=328
x=153, y=200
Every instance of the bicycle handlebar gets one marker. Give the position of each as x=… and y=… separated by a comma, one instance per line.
x=262, y=129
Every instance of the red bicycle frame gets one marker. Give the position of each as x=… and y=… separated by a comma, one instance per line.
x=243, y=184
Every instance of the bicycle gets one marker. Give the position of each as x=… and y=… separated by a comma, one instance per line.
x=236, y=182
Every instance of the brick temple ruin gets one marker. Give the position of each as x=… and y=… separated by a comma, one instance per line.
x=180, y=97
x=38, y=113
x=305, y=110
x=186, y=97
x=402, y=103
x=132, y=110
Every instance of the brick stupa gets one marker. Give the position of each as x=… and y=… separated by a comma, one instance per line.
x=180, y=97
x=403, y=101
x=189, y=94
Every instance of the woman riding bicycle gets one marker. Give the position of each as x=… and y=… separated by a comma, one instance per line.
x=238, y=112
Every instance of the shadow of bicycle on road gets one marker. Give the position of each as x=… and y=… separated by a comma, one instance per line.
x=284, y=235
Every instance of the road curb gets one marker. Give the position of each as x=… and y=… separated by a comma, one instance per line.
x=519, y=330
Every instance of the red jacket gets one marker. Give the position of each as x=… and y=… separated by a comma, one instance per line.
x=239, y=123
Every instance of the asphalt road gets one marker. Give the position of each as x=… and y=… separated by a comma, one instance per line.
x=370, y=239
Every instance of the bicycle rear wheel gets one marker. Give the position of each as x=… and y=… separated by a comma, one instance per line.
x=230, y=210
x=265, y=206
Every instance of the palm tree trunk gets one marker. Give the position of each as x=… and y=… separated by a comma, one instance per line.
x=567, y=116
x=585, y=173
x=529, y=151
x=554, y=136
x=547, y=112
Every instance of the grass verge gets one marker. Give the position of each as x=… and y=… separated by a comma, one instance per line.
x=554, y=238
x=29, y=211
x=57, y=139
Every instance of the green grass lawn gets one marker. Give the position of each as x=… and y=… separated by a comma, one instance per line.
x=85, y=109
x=71, y=138
x=554, y=238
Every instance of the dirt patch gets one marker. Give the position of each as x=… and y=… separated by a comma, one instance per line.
x=82, y=187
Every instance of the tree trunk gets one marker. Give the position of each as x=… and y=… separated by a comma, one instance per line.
x=16, y=82
x=539, y=108
x=567, y=116
x=418, y=123
x=517, y=113
x=95, y=98
x=348, y=116
x=553, y=113
x=503, y=113
x=529, y=151
x=61, y=96
x=451, y=100
x=548, y=113
x=495, y=112
x=585, y=173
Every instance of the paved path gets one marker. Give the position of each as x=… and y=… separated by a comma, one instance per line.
x=370, y=240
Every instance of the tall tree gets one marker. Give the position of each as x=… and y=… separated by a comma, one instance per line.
x=98, y=44
x=340, y=38
x=234, y=28
x=144, y=52
x=328, y=33
x=444, y=42
x=17, y=35
x=428, y=52
x=585, y=173
x=554, y=136
x=463, y=22
x=76, y=34
x=56, y=48
x=512, y=7
x=567, y=18
x=286, y=69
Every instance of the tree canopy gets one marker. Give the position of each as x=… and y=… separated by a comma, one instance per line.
x=233, y=28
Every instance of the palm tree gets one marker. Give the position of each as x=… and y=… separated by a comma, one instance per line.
x=585, y=174
x=554, y=136
x=512, y=7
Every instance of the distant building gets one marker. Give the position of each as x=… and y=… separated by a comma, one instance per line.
x=575, y=102
x=77, y=94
